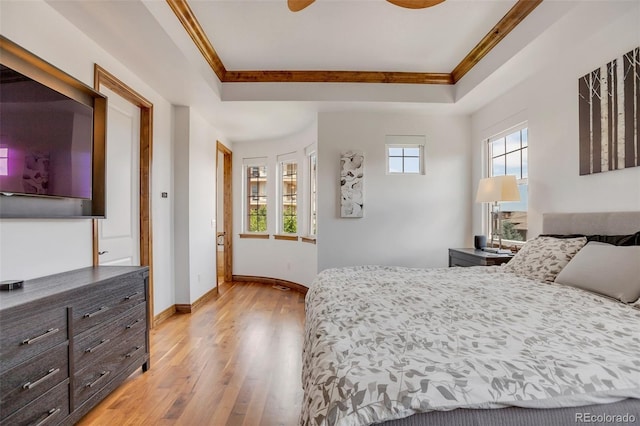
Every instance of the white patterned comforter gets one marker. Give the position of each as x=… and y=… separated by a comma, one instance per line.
x=383, y=343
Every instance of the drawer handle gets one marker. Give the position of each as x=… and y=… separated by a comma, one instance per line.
x=95, y=382
x=47, y=333
x=130, y=354
x=131, y=296
x=133, y=324
x=50, y=414
x=96, y=347
x=99, y=311
x=49, y=374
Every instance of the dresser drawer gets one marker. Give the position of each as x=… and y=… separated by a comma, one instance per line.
x=26, y=382
x=94, y=342
x=102, y=370
x=26, y=334
x=104, y=302
x=50, y=409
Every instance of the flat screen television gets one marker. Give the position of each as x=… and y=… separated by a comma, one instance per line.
x=46, y=140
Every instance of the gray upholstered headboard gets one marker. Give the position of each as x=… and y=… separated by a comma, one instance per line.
x=608, y=223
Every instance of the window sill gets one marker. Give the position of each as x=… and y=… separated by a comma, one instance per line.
x=286, y=237
x=310, y=240
x=255, y=236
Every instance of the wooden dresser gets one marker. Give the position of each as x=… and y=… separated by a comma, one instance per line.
x=68, y=340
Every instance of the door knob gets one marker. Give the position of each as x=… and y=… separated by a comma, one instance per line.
x=100, y=253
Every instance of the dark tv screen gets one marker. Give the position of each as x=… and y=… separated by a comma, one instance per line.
x=45, y=140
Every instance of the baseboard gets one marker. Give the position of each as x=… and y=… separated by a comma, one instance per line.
x=272, y=281
x=204, y=298
x=185, y=308
x=167, y=313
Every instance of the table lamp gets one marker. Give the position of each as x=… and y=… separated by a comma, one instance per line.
x=495, y=190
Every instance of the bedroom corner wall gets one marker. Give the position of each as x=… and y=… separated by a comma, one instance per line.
x=195, y=153
x=294, y=261
x=409, y=220
x=593, y=34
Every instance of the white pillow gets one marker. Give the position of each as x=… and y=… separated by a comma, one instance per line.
x=606, y=269
x=544, y=257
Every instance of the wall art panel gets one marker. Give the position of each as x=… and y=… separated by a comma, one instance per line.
x=609, y=113
x=351, y=184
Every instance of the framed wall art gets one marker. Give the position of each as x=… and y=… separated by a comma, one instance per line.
x=609, y=113
x=351, y=184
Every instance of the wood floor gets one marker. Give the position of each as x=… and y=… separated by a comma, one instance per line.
x=234, y=361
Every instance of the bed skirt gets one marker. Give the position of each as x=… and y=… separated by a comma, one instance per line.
x=601, y=414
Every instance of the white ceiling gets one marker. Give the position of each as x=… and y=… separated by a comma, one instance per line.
x=349, y=35
x=346, y=35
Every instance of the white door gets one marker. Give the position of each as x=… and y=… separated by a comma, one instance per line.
x=119, y=233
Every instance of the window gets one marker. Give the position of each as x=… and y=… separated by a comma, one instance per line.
x=313, y=195
x=4, y=161
x=288, y=202
x=256, y=208
x=507, y=154
x=405, y=154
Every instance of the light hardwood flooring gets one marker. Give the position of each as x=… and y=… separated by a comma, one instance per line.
x=235, y=361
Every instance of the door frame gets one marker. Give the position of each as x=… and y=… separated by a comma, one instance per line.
x=228, y=209
x=108, y=80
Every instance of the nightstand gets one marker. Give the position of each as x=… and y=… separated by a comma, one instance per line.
x=473, y=257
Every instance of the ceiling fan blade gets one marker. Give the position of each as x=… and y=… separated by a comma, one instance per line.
x=298, y=5
x=413, y=4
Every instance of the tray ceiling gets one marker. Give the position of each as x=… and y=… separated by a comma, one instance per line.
x=225, y=63
x=347, y=41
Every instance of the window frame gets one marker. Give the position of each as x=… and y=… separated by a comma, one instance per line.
x=405, y=142
x=247, y=193
x=312, y=161
x=283, y=161
x=519, y=181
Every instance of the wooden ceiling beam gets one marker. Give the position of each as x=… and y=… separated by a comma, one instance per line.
x=337, y=77
x=192, y=26
x=508, y=22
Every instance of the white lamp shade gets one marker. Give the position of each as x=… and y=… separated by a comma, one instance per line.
x=498, y=188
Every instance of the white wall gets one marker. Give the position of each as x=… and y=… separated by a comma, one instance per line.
x=202, y=205
x=31, y=248
x=35, y=247
x=294, y=261
x=409, y=220
x=195, y=175
x=549, y=102
x=181, y=196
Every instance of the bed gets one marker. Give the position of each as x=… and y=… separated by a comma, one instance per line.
x=476, y=346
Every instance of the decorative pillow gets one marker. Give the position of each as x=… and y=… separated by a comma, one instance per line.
x=606, y=269
x=544, y=257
